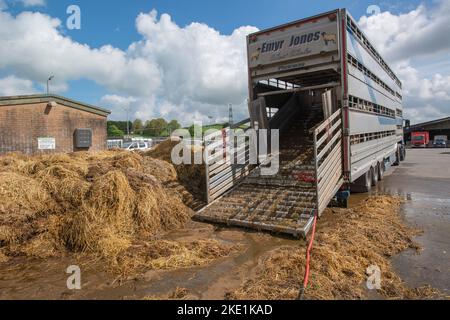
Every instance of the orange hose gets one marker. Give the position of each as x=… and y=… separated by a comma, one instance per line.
x=308, y=260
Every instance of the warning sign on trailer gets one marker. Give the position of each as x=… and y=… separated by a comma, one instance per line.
x=46, y=143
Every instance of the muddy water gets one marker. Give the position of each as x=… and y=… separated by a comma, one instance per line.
x=37, y=279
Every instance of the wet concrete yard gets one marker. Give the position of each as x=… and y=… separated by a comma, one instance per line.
x=424, y=181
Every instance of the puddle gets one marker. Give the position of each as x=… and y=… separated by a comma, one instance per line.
x=427, y=207
x=46, y=279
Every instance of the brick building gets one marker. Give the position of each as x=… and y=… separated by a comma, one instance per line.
x=49, y=123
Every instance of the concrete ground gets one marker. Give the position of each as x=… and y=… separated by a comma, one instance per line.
x=424, y=180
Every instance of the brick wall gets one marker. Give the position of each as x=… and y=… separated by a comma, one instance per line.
x=22, y=125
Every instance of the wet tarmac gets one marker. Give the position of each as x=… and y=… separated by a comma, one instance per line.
x=424, y=181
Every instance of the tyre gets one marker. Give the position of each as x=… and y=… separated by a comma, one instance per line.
x=345, y=204
x=363, y=184
x=402, y=153
x=374, y=175
x=381, y=169
x=397, y=157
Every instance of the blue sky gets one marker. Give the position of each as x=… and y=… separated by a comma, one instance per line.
x=114, y=24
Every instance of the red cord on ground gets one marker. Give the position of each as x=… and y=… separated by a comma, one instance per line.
x=308, y=259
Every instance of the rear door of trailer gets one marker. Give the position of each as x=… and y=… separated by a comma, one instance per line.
x=286, y=56
x=305, y=55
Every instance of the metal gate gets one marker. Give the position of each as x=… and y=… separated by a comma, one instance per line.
x=328, y=159
x=226, y=162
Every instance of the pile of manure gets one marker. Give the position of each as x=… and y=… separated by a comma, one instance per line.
x=98, y=204
x=348, y=241
x=190, y=177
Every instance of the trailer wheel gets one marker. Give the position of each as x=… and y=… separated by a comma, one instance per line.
x=367, y=179
x=402, y=153
x=381, y=170
x=397, y=157
x=363, y=184
x=374, y=174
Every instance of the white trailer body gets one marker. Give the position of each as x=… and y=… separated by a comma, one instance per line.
x=330, y=49
x=375, y=135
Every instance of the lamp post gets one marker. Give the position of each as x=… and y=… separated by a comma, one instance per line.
x=128, y=120
x=48, y=81
x=230, y=115
x=127, y=109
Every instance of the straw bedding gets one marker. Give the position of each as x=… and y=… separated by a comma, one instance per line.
x=191, y=177
x=98, y=204
x=347, y=243
x=171, y=255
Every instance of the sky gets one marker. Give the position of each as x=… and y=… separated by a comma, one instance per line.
x=186, y=60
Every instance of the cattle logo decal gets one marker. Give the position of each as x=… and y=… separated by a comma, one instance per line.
x=255, y=55
x=329, y=37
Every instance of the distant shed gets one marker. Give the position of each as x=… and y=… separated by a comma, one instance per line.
x=435, y=128
x=49, y=123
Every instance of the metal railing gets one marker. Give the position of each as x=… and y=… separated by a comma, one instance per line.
x=328, y=159
x=226, y=162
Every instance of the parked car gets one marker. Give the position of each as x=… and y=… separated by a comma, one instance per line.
x=440, y=143
x=136, y=145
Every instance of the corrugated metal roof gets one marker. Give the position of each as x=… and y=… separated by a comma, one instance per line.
x=430, y=122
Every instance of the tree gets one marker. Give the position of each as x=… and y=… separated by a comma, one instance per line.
x=114, y=131
x=155, y=127
x=138, y=126
x=195, y=128
x=121, y=125
x=173, y=125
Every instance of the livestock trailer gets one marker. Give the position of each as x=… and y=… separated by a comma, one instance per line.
x=338, y=108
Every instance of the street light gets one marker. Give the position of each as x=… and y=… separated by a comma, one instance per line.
x=48, y=80
x=127, y=109
x=128, y=120
x=230, y=115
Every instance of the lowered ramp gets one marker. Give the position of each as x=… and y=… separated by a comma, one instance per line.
x=310, y=175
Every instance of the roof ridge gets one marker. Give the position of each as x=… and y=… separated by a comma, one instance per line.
x=36, y=98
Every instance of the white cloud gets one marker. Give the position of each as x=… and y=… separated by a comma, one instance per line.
x=420, y=32
x=197, y=61
x=33, y=45
x=432, y=113
x=12, y=86
x=417, y=45
x=436, y=87
x=190, y=72
x=118, y=104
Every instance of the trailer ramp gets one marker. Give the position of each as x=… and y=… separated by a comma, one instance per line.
x=288, y=201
